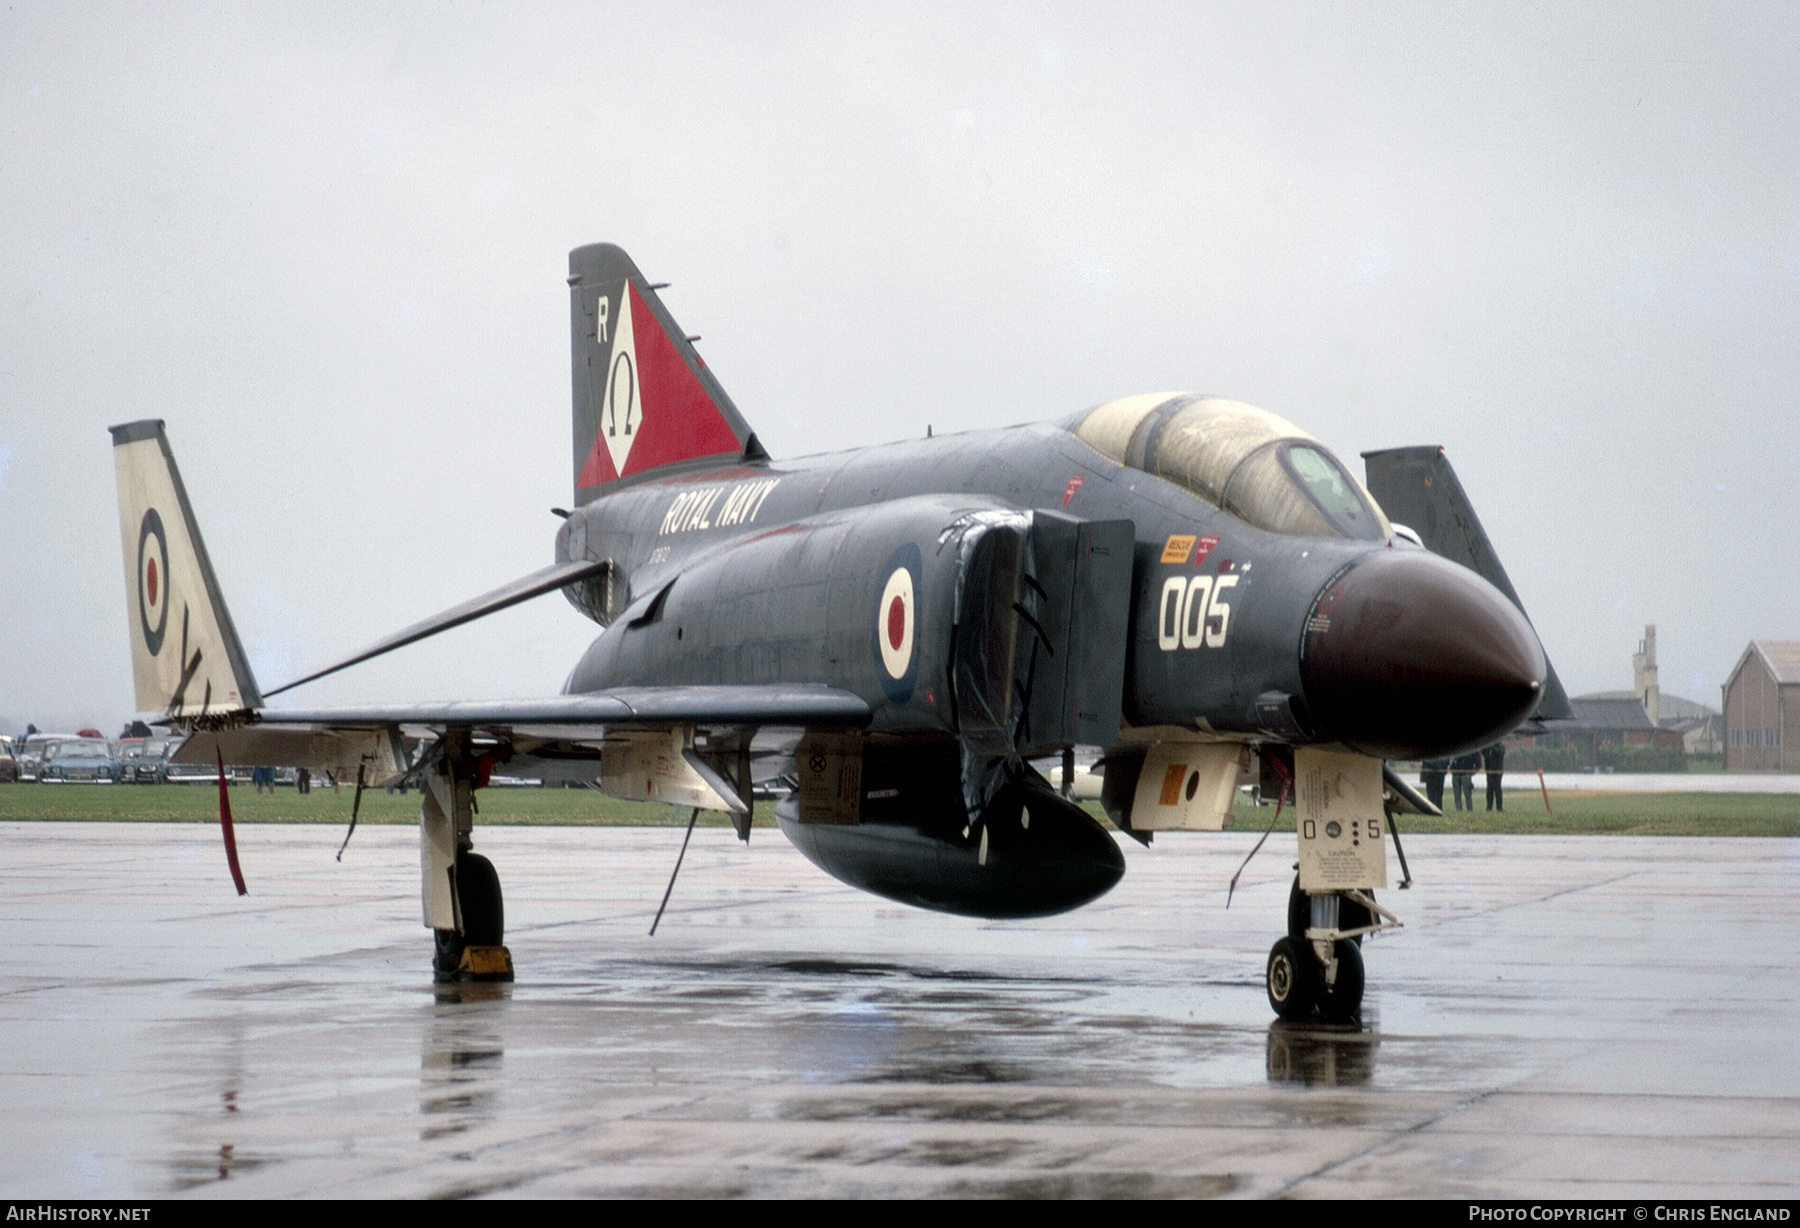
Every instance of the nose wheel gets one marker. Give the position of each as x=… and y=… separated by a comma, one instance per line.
x=1293, y=980
x=1318, y=967
x=1299, y=983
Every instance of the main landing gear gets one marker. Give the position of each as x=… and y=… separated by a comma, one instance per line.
x=477, y=953
x=461, y=892
x=1318, y=965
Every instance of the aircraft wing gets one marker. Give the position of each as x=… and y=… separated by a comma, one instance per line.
x=641, y=740
x=1417, y=487
x=684, y=744
x=650, y=707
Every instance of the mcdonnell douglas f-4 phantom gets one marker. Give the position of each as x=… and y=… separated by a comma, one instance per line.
x=1191, y=586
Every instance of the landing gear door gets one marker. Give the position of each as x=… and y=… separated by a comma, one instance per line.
x=1187, y=786
x=1337, y=808
x=828, y=777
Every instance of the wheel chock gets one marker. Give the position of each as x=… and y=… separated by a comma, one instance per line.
x=484, y=964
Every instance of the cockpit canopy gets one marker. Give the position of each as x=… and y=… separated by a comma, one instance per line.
x=1254, y=464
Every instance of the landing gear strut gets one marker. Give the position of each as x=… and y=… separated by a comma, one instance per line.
x=1341, y=801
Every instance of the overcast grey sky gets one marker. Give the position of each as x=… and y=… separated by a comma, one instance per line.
x=328, y=244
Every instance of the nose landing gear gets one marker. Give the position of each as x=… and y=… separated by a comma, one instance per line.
x=1318, y=965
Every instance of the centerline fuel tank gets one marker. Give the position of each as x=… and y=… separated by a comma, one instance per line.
x=900, y=829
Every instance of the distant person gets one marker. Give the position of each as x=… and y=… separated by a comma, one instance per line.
x=303, y=781
x=263, y=776
x=1493, y=758
x=1462, y=778
x=1431, y=775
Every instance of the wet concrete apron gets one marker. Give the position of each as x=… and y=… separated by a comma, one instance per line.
x=1560, y=1017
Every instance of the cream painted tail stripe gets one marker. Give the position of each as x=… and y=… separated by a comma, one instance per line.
x=183, y=642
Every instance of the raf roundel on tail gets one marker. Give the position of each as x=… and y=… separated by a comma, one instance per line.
x=185, y=656
x=1190, y=590
x=153, y=583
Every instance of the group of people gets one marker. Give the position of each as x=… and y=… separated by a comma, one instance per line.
x=1462, y=775
x=264, y=778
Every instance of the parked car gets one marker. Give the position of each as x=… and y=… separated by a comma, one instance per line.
x=146, y=760
x=131, y=755
x=206, y=773
x=9, y=766
x=81, y=760
x=31, y=749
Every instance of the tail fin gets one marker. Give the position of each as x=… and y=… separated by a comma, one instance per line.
x=643, y=397
x=185, y=654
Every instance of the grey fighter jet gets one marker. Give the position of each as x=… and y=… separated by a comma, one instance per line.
x=1191, y=588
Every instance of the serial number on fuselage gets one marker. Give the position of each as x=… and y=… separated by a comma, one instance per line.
x=1192, y=612
x=694, y=509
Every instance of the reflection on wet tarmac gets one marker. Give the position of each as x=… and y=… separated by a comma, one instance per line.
x=1322, y=1054
x=190, y=1172
x=460, y=1069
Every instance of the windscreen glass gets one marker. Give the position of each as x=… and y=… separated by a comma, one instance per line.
x=1333, y=490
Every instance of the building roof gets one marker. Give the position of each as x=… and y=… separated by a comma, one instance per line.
x=1781, y=657
x=1674, y=707
x=1608, y=711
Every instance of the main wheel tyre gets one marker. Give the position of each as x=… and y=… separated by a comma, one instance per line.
x=478, y=892
x=1340, y=1002
x=1293, y=979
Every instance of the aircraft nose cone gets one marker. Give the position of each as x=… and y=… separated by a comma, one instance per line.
x=1408, y=655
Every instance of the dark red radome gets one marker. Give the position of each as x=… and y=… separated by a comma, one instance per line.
x=1407, y=655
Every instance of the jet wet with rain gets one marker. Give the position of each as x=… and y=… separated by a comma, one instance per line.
x=1191, y=589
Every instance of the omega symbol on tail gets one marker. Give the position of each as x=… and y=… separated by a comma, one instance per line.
x=621, y=407
x=153, y=580
x=897, y=624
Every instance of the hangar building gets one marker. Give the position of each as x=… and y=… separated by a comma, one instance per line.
x=1761, y=700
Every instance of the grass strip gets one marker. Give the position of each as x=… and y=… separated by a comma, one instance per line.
x=1574, y=813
